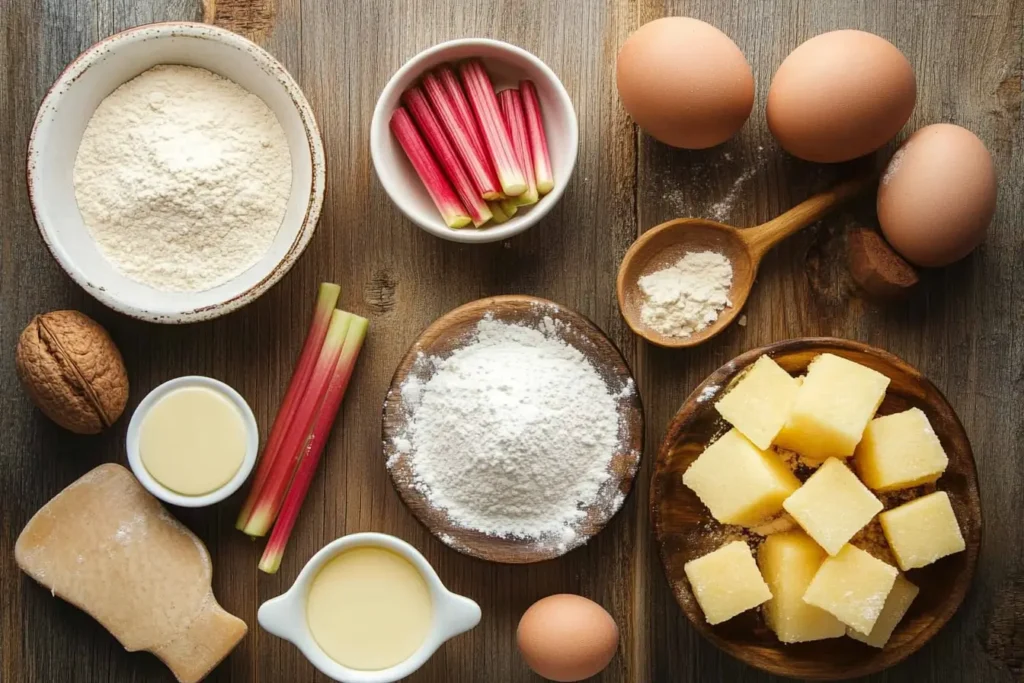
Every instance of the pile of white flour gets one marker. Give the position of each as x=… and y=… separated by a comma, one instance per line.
x=687, y=296
x=513, y=433
x=182, y=177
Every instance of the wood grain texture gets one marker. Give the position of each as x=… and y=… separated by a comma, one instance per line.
x=254, y=19
x=960, y=326
x=453, y=331
x=685, y=529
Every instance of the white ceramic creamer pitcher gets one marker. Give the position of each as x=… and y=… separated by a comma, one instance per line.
x=285, y=615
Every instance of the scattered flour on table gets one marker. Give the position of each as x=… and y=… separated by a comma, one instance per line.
x=722, y=209
x=182, y=177
x=687, y=296
x=686, y=195
x=513, y=433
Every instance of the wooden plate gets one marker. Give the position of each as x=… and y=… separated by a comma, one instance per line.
x=685, y=530
x=452, y=331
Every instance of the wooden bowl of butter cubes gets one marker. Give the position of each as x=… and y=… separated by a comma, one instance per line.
x=816, y=507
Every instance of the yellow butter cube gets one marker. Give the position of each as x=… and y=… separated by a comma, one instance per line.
x=739, y=482
x=759, y=403
x=788, y=562
x=832, y=505
x=832, y=407
x=896, y=605
x=852, y=586
x=899, y=451
x=922, y=531
x=726, y=582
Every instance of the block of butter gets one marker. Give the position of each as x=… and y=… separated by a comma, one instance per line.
x=726, y=582
x=108, y=547
x=760, y=402
x=739, y=482
x=788, y=562
x=832, y=408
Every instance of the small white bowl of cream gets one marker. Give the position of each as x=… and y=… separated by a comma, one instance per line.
x=192, y=441
x=368, y=608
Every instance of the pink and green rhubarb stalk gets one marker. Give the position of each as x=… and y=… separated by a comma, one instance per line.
x=538, y=141
x=314, y=443
x=326, y=300
x=440, y=190
x=418, y=105
x=268, y=504
x=511, y=104
x=484, y=103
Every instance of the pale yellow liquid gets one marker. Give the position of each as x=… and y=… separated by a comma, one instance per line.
x=369, y=609
x=192, y=440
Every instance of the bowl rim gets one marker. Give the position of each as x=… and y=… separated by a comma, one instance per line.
x=263, y=59
x=252, y=440
x=516, y=224
x=697, y=400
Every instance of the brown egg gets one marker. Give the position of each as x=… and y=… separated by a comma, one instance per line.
x=685, y=82
x=567, y=637
x=938, y=195
x=839, y=96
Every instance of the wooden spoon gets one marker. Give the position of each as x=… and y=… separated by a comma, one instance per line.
x=665, y=244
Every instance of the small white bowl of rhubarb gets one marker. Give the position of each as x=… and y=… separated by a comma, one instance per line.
x=474, y=140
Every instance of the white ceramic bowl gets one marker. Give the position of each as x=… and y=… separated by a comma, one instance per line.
x=507, y=65
x=285, y=615
x=61, y=121
x=252, y=442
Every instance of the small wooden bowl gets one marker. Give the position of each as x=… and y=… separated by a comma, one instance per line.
x=684, y=528
x=453, y=330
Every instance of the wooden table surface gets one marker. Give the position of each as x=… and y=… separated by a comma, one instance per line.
x=962, y=327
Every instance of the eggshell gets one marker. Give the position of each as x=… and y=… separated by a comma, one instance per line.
x=685, y=82
x=938, y=195
x=567, y=637
x=840, y=95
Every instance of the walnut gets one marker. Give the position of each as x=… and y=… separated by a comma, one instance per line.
x=72, y=370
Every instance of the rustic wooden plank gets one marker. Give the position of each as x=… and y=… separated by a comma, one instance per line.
x=957, y=328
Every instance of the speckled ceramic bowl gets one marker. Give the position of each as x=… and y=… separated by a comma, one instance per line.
x=65, y=113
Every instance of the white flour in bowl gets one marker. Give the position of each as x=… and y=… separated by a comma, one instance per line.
x=182, y=178
x=513, y=433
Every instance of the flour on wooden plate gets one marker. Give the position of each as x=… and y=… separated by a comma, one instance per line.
x=513, y=433
x=182, y=177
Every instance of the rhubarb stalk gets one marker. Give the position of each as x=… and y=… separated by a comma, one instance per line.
x=419, y=107
x=266, y=507
x=457, y=97
x=512, y=109
x=492, y=127
x=470, y=151
x=447, y=202
x=538, y=141
x=509, y=206
x=498, y=214
x=314, y=445
x=326, y=300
